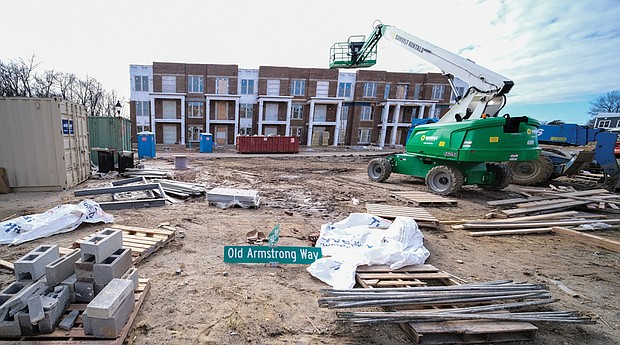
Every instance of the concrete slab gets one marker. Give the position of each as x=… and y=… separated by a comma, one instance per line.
x=69, y=319
x=35, y=309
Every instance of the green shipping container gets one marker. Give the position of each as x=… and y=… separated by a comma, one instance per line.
x=109, y=133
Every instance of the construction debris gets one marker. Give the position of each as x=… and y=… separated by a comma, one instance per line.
x=422, y=217
x=228, y=197
x=146, y=188
x=423, y=198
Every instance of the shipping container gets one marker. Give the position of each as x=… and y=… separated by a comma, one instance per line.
x=267, y=144
x=43, y=143
x=108, y=132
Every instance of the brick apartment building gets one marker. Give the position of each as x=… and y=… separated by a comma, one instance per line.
x=178, y=101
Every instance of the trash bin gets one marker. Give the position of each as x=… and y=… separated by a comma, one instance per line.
x=146, y=145
x=106, y=160
x=206, y=142
x=125, y=160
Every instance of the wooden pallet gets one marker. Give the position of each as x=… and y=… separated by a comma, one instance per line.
x=424, y=199
x=420, y=215
x=143, y=242
x=76, y=334
x=447, y=332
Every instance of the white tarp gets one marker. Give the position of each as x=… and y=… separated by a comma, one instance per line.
x=364, y=239
x=62, y=218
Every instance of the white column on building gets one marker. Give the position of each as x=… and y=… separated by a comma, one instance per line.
x=310, y=123
x=432, y=111
x=208, y=115
x=384, y=119
x=395, y=117
x=236, y=120
x=183, y=129
x=152, y=123
x=338, y=115
x=289, y=106
x=260, y=117
x=421, y=113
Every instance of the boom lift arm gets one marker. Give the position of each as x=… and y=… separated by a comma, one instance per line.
x=485, y=97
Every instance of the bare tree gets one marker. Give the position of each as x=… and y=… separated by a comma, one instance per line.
x=46, y=84
x=609, y=103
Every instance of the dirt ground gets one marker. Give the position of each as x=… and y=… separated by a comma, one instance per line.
x=196, y=298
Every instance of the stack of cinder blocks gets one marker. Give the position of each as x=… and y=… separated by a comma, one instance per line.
x=46, y=283
x=111, y=300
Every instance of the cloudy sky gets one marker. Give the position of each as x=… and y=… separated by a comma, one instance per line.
x=561, y=54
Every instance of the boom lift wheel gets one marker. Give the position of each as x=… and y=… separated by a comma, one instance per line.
x=379, y=169
x=444, y=180
x=503, y=176
x=528, y=173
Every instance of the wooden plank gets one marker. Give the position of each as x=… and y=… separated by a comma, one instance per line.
x=421, y=198
x=590, y=239
x=506, y=225
x=386, y=268
x=510, y=232
x=6, y=264
x=437, y=275
x=389, y=211
x=544, y=208
x=539, y=217
x=142, y=230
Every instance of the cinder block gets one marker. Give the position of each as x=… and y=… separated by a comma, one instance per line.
x=52, y=317
x=112, y=267
x=132, y=274
x=61, y=268
x=109, y=327
x=101, y=245
x=9, y=325
x=84, y=270
x=17, y=294
x=69, y=319
x=84, y=291
x=35, y=309
x=105, y=304
x=32, y=265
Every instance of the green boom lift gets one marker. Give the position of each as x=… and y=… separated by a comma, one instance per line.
x=469, y=143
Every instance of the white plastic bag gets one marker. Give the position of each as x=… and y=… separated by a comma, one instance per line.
x=62, y=218
x=364, y=239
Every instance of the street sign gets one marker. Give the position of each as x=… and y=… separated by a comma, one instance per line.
x=282, y=255
x=274, y=236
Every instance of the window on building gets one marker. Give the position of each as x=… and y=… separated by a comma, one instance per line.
x=416, y=91
x=438, y=91
x=194, y=133
x=141, y=82
x=604, y=123
x=366, y=114
x=296, y=131
x=320, y=113
x=363, y=135
x=344, y=90
x=370, y=90
x=245, y=131
x=145, y=128
x=195, y=84
x=221, y=86
x=246, y=111
x=247, y=86
x=401, y=91
x=142, y=108
x=297, y=112
x=437, y=112
x=195, y=109
x=386, y=92
x=298, y=87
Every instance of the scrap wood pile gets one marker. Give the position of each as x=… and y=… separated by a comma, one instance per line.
x=481, y=301
x=540, y=201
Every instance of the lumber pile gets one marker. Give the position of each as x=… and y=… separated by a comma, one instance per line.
x=480, y=301
x=422, y=217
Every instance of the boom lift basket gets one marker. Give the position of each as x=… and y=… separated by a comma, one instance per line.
x=346, y=54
